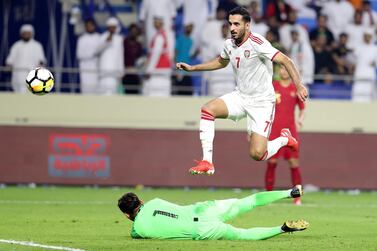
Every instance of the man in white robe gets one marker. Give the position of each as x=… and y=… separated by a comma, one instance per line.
x=87, y=55
x=25, y=55
x=111, y=60
x=365, y=87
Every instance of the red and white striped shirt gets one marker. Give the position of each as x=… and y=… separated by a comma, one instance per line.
x=159, y=58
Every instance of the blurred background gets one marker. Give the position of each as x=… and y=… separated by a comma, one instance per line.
x=121, y=114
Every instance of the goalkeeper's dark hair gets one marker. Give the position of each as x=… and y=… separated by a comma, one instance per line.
x=241, y=11
x=128, y=203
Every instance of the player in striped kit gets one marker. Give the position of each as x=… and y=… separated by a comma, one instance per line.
x=251, y=56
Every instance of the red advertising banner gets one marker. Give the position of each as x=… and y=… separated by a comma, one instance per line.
x=79, y=155
x=127, y=157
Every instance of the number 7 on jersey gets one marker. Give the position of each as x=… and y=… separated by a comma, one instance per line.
x=238, y=61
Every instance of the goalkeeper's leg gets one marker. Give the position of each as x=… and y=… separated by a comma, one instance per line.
x=257, y=233
x=229, y=209
x=222, y=231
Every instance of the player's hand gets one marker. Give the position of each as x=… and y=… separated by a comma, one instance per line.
x=302, y=93
x=299, y=124
x=184, y=66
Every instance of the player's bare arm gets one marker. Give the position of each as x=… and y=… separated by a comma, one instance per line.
x=280, y=58
x=300, y=119
x=214, y=64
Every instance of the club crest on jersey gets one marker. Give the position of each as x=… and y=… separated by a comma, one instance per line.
x=246, y=53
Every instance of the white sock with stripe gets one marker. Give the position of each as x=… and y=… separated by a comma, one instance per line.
x=207, y=134
x=273, y=147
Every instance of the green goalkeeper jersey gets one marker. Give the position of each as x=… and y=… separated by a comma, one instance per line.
x=160, y=219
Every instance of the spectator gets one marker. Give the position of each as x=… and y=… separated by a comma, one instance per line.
x=255, y=9
x=211, y=31
x=355, y=31
x=25, y=55
x=273, y=38
x=111, y=65
x=339, y=13
x=257, y=24
x=364, y=87
x=198, y=12
x=273, y=26
x=302, y=8
x=369, y=16
x=221, y=81
x=228, y=5
x=167, y=10
x=342, y=56
x=322, y=56
x=323, y=30
x=302, y=55
x=279, y=9
x=327, y=77
x=87, y=55
x=158, y=82
x=286, y=28
x=183, y=47
x=133, y=50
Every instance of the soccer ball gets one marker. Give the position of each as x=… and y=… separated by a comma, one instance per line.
x=40, y=81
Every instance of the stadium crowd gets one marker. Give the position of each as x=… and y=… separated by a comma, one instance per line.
x=333, y=43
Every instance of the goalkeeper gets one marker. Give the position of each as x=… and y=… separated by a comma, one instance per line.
x=160, y=219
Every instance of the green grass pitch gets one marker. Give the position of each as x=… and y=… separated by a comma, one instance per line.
x=88, y=218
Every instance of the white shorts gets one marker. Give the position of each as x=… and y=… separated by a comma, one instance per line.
x=259, y=114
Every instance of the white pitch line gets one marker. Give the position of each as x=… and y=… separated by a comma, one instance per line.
x=55, y=202
x=32, y=244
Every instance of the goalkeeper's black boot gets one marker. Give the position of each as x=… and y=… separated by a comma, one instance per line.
x=297, y=191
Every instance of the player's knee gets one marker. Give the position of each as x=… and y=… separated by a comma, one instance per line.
x=208, y=108
x=257, y=154
x=293, y=163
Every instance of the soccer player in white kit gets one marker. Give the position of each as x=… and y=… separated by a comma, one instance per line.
x=251, y=56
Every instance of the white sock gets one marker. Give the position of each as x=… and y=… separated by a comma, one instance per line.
x=289, y=193
x=207, y=134
x=273, y=146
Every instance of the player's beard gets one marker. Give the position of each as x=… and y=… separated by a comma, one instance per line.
x=241, y=36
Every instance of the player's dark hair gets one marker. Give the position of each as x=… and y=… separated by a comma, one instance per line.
x=128, y=202
x=241, y=11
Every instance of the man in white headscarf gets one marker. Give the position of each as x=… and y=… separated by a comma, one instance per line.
x=87, y=54
x=302, y=55
x=166, y=9
x=365, y=85
x=111, y=61
x=198, y=12
x=25, y=55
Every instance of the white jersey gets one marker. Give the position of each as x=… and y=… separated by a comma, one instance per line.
x=252, y=66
